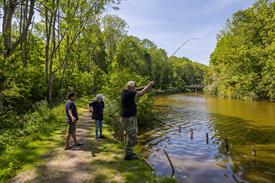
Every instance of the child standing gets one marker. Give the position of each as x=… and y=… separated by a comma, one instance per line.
x=96, y=108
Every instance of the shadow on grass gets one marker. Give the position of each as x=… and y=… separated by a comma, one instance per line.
x=29, y=154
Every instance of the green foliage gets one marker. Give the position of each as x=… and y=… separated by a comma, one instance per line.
x=242, y=65
x=145, y=113
x=17, y=131
x=188, y=72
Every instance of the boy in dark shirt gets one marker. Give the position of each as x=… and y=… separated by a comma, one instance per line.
x=72, y=118
x=97, y=107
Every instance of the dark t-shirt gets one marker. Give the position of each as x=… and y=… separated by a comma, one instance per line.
x=97, y=109
x=70, y=106
x=128, y=107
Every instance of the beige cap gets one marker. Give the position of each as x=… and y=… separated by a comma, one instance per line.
x=131, y=83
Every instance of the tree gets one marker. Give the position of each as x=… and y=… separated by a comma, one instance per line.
x=9, y=7
x=241, y=65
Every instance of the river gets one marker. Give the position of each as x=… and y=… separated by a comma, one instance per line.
x=241, y=139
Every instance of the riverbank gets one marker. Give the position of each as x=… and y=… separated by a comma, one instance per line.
x=169, y=91
x=45, y=160
x=174, y=91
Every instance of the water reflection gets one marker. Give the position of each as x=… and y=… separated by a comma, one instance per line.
x=242, y=124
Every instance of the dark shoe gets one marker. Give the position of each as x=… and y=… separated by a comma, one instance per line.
x=98, y=139
x=78, y=144
x=131, y=157
x=67, y=148
x=103, y=137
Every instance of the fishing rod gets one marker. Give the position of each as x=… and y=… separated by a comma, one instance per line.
x=194, y=38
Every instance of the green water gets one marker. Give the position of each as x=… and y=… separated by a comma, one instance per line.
x=245, y=125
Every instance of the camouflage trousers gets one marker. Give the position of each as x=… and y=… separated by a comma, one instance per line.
x=131, y=129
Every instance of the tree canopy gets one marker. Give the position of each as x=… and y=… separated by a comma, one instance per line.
x=52, y=47
x=243, y=63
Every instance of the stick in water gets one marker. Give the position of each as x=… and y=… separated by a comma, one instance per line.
x=170, y=163
x=226, y=143
x=254, y=152
x=191, y=133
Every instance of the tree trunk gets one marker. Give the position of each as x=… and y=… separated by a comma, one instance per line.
x=1, y=102
x=24, y=49
x=52, y=36
x=9, y=9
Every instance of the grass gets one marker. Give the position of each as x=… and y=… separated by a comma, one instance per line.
x=22, y=146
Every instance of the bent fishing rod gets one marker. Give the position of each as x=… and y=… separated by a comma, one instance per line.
x=194, y=38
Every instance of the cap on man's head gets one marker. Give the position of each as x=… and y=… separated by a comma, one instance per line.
x=131, y=83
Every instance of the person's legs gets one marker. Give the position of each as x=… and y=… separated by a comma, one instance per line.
x=100, y=127
x=71, y=133
x=68, y=140
x=74, y=138
x=96, y=128
x=134, y=129
x=68, y=136
x=130, y=137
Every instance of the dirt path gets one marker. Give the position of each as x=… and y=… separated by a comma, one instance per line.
x=66, y=166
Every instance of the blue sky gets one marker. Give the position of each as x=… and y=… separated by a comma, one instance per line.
x=168, y=23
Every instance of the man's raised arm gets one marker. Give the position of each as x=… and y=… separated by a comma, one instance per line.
x=146, y=89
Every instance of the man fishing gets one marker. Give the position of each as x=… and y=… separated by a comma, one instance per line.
x=128, y=110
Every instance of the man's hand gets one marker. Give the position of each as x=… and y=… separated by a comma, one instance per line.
x=152, y=84
x=73, y=118
x=146, y=89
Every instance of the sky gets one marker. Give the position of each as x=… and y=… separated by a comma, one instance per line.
x=169, y=23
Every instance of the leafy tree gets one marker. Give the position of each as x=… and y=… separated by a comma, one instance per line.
x=242, y=65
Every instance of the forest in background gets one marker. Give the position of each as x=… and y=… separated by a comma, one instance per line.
x=243, y=63
x=75, y=46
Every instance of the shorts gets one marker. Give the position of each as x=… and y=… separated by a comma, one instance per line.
x=71, y=127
